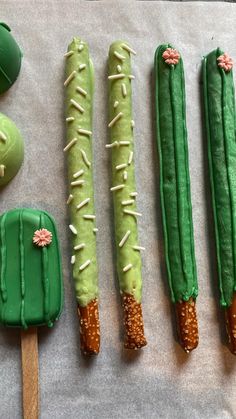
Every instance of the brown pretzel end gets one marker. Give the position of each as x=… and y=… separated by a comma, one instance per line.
x=187, y=324
x=133, y=323
x=230, y=316
x=89, y=328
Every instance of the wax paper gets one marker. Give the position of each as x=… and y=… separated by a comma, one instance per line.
x=160, y=381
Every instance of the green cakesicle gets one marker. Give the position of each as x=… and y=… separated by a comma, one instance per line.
x=10, y=58
x=11, y=150
x=220, y=117
x=79, y=86
x=175, y=189
x=31, y=292
x=121, y=127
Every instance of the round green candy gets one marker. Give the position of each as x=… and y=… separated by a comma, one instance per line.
x=11, y=150
x=10, y=58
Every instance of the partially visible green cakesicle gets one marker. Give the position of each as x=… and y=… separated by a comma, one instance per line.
x=11, y=150
x=31, y=292
x=174, y=174
x=10, y=58
x=219, y=101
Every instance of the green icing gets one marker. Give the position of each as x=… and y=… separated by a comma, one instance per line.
x=11, y=150
x=86, y=281
x=174, y=177
x=31, y=292
x=10, y=58
x=219, y=101
x=130, y=281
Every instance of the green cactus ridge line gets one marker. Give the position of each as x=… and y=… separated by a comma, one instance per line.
x=120, y=92
x=174, y=177
x=219, y=104
x=80, y=158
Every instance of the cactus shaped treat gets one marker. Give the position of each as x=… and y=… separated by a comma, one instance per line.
x=124, y=194
x=175, y=191
x=79, y=86
x=219, y=101
x=10, y=58
x=31, y=292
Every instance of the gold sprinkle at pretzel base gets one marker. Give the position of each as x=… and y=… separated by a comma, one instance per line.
x=89, y=328
x=133, y=323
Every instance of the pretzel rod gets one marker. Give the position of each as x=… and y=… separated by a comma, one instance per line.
x=123, y=186
x=219, y=101
x=79, y=85
x=175, y=191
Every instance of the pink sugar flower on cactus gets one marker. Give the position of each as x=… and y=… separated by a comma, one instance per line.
x=42, y=237
x=171, y=56
x=225, y=62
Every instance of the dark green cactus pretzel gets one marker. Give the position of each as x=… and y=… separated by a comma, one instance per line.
x=175, y=187
x=219, y=102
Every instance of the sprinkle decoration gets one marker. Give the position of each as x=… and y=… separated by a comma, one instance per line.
x=171, y=56
x=225, y=62
x=42, y=237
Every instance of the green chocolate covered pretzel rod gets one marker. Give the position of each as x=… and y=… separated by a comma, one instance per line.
x=175, y=191
x=219, y=101
x=79, y=86
x=121, y=127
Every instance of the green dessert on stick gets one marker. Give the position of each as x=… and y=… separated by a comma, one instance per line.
x=10, y=58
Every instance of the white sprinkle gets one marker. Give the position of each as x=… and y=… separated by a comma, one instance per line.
x=95, y=230
x=69, y=78
x=127, y=267
x=82, y=66
x=70, y=144
x=124, y=142
x=115, y=119
x=85, y=158
x=2, y=170
x=138, y=248
x=78, y=174
x=131, y=76
x=132, y=123
x=125, y=175
x=123, y=89
x=3, y=136
x=127, y=48
x=70, y=119
x=118, y=67
x=79, y=246
x=82, y=267
x=72, y=261
x=128, y=202
x=89, y=217
x=133, y=194
x=80, y=47
x=117, y=187
x=115, y=143
x=122, y=242
x=68, y=54
x=77, y=105
x=70, y=197
x=121, y=166
x=73, y=229
x=119, y=56
x=83, y=203
x=116, y=103
x=84, y=131
x=116, y=76
x=131, y=154
x=129, y=212
x=82, y=91
x=77, y=182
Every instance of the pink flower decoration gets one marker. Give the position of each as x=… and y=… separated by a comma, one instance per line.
x=42, y=237
x=225, y=62
x=171, y=56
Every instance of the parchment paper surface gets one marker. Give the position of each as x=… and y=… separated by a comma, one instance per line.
x=160, y=381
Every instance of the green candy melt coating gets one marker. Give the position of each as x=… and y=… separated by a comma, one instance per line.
x=31, y=292
x=122, y=130
x=11, y=150
x=174, y=177
x=86, y=280
x=219, y=101
x=10, y=58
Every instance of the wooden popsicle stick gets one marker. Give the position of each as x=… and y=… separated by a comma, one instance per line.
x=29, y=357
